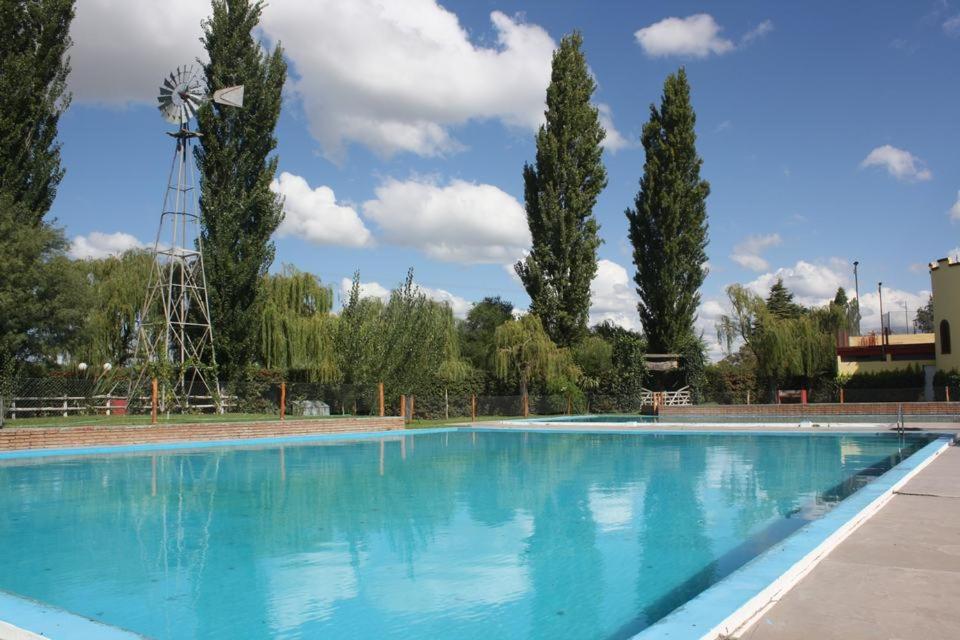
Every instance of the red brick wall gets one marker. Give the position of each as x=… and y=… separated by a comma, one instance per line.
x=69, y=437
x=819, y=409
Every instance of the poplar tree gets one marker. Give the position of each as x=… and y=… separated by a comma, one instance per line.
x=239, y=212
x=39, y=303
x=668, y=224
x=560, y=191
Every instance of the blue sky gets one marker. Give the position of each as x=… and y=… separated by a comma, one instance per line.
x=828, y=131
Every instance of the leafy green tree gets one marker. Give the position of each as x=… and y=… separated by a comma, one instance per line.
x=239, y=212
x=780, y=301
x=42, y=299
x=33, y=94
x=526, y=353
x=560, y=191
x=39, y=310
x=297, y=330
x=477, y=331
x=113, y=290
x=923, y=322
x=668, y=224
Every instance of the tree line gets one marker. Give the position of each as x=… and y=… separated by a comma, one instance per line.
x=55, y=311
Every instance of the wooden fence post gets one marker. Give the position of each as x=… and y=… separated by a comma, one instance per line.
x=283, y=399
x=947, y=389
x=841, y=395
x=473, y=408
x=153, y=401
x=748, y=396
x=526, y=405
x=569, y=405
x=403, y=408
x=412, y=400
x=380, y=392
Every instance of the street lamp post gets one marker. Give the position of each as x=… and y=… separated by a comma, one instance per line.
x=883, y=332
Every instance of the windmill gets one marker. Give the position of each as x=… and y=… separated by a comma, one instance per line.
x=174, y=333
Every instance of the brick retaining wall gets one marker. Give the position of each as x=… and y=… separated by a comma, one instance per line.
x=820, y=409
x=92, y=436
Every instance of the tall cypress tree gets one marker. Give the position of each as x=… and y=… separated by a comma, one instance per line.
x=668, y=224
x=560, y=191
x=33, y=94
x=239, y=213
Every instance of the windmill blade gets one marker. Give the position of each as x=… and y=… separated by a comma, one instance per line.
x=230, y=96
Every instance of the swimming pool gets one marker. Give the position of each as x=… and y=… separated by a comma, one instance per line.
x=456, y=533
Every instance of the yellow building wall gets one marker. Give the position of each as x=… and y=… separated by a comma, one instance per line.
x=945, y=280
x=850, y=368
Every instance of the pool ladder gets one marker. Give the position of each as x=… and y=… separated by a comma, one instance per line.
x=900, y=425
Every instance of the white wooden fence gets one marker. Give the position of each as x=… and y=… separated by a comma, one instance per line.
x=679, y=398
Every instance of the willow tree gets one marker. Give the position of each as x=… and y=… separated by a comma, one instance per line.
x=560, y=191
x=524, y=350
x=113, y=288
x=783, y=346
x=297, y=330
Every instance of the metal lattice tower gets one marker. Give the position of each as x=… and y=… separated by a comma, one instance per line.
x=174, y=329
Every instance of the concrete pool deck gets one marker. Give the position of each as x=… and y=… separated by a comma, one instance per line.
x=895, y=577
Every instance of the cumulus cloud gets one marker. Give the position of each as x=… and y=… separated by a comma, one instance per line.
x=395, y=75
x=955, y=209
x=696, y=36
x=613, y=297
x=96, y=245
x=811, y=284
x=459, y=306
x=899, y=163
x=315, y=216
x=122, y=50
x=747, y=253
x=458, y=222
x=708, y=315
x=893, y=303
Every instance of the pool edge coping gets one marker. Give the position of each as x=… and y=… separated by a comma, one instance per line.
x=739, y=600
x=36, y=620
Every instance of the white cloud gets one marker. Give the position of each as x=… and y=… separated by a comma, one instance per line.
x=613, y=297
x=893, y=300
x=460, y=222
x=614, y=140
x=899, y=163
x=723, y=126
x=96, y=245
x=955, y=209
x=697, y=36
x=459, y=306
x=747, y=253
x=757, y=32
x=395, y=75
x=367, y=290
x=952, y=25
x=122, y=50
x=315, y=216
x=707, y=317
x=811, y=284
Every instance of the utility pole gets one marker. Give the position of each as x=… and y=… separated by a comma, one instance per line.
x=856, y=291
x=906, y=317
x=883, y=332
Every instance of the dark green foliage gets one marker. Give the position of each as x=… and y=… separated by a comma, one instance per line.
x=33, y=94
x=923, y=322
x=668, y=224
x=732, y=379
x=619, y=386
x=780, y=302
x=41, y=295
x=239, y=213
x=840, y=299
x=560, y=191
x=477, y=331
x=908, y=377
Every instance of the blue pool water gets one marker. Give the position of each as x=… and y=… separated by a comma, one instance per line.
x=443, y=535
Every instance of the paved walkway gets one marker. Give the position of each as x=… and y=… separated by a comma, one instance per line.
x=897, y=577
